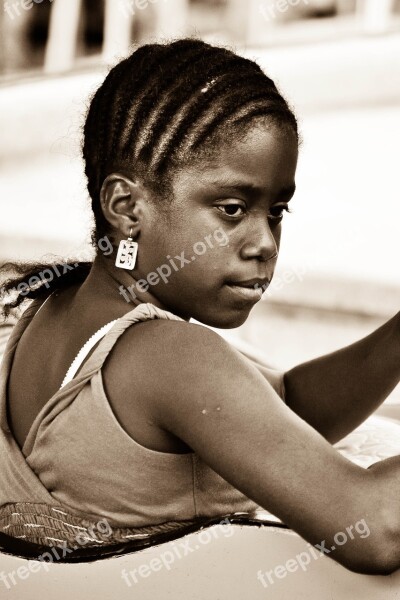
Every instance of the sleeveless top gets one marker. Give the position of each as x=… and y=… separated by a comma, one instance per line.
x=77, y=455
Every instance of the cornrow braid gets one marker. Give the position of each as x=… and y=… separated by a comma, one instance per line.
x=149, y=114
x=183, y=116
x=144, y=83
x=242, y=103
x=137, y=85
x=221, y=100
x=186, y=87
x=167, y=104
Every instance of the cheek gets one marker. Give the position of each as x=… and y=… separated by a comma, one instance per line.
x=194, y=248
x=199, y=268
x=195, y=241
x=171, y=252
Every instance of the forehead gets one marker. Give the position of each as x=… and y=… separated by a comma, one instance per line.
x=265, y=158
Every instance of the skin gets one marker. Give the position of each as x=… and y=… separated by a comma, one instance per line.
x=233, y=418
x=206, y=201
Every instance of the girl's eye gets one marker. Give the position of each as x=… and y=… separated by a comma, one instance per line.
x=232, y=210
x=277, y=212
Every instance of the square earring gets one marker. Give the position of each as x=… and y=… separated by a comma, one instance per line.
x=127, y=253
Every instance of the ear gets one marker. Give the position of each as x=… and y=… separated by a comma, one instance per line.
x=122, y=202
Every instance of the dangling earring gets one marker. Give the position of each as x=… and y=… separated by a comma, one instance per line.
x=127, y=253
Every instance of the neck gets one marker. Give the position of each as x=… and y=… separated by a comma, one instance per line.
x=118, y=288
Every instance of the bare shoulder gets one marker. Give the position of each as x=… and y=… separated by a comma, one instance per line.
x=164, y=341
x=156, y=360
x=197, y=388
x=175, y=350
x=153, y=364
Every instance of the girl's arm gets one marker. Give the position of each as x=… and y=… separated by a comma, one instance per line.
x=337, y=392
x=205, y=393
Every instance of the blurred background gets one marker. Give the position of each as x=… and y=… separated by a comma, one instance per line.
x=338, y=64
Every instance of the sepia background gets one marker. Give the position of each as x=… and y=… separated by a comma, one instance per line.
x=338, y=64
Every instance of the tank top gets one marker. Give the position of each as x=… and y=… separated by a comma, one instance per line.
x=77, y=455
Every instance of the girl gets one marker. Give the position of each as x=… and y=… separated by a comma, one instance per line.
x=190, y=155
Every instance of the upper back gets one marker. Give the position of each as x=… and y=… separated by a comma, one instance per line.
x=42, y=357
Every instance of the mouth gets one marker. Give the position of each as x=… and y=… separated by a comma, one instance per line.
x=257, y=282
x=251, y=290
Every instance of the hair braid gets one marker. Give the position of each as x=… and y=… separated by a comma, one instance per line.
x=222, y=115
x=164, y=103
x=153, y=107
x=144, y=87
x=206, y=103
x=142, y=75
x=180, y=106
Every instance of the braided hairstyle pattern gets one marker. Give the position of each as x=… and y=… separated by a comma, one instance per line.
x=167, y=105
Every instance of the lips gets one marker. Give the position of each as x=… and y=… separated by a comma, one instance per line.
x=249, y=290
x=255, y=283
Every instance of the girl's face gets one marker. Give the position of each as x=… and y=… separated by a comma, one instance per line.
x=214, y=250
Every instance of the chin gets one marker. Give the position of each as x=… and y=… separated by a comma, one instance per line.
x=225, y=321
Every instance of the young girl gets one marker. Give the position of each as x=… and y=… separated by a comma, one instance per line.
x=113, y=403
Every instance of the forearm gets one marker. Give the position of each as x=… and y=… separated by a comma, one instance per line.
x=336, y=392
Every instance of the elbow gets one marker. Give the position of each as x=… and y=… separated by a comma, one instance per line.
x=377, y=550
x=382, y=557
x=376, y=565
x=386, y=558
x=386, y=567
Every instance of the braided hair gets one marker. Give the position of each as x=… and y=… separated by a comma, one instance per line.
x=166, y=106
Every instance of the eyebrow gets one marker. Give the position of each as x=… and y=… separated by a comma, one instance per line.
x=251, y=190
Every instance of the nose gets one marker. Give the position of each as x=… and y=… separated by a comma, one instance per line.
x=261, y=242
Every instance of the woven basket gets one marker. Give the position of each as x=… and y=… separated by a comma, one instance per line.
x=54, y=526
